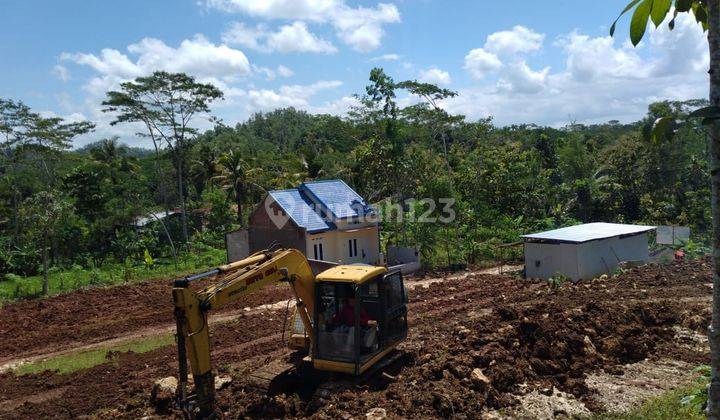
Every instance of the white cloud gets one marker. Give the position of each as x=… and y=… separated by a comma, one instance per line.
x=240, y=34
x=518, y=40
x=435, y=76
x=338, y=106
x=480, y=63
x=504, y=52
x=208, y=62
x=61, y=72
x=386, y=57
x=289, y=95
x=295, y=37
x=518, y=77
x=360, y=27
x=268, y=72
x=278, y=9
x=590, y=58
x=197, y=56
x=682, y=50
x=602, y=78
x=284, y=71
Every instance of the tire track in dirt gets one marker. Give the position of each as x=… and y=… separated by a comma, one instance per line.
x=225, y=315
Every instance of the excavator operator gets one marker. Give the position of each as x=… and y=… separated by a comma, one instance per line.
x=343, y=323
x=346, y=316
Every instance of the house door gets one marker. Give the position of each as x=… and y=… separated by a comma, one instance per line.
x=318, y=253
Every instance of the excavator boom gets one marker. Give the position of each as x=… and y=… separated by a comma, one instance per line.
x=234, y=281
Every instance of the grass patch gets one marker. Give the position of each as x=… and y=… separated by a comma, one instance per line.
x=16, y=287
x=668, y=406
x=72, y=362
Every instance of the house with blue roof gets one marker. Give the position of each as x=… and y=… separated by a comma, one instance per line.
x=326, y=220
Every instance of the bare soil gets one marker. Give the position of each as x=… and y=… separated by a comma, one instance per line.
x=477, y=343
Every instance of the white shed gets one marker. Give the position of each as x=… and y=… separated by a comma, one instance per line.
x=584, y=251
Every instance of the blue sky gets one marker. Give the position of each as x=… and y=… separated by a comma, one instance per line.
x=517, y=61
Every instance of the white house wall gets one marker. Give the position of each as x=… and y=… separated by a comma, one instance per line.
x=329, y=245
x=603, y=256
x=335, y=246
x=545, y=260
x=367, y=246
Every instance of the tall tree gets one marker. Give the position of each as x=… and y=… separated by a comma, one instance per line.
x=31, y=135
x=429, y=111
x=707, y=14
x=28, y=138
x=167, y=104
x=238, y=177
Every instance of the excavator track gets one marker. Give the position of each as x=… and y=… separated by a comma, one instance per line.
x=291, y=374
x=336, y=382
x=273, y=378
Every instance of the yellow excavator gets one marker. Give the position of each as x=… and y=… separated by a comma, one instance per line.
x=347, y=318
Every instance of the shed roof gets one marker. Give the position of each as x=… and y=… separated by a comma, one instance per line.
x=587, y=232
x=300, y=210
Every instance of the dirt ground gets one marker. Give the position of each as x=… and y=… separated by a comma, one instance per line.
x=479, y=345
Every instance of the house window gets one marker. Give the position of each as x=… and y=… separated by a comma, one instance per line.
x=352, y=247
x=318, y=250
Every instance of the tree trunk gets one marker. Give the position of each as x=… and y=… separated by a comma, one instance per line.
x=183, y=215
x=161, y=190
x=46, y=283
x=713, y=408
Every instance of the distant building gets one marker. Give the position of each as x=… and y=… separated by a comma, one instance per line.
x=584, y=251
x=326, y=220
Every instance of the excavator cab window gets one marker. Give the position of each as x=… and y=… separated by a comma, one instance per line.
x=393, y=322
x=335, y=321
x=355, y=323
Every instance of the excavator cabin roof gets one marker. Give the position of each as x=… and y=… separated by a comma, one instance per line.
x=357, y=274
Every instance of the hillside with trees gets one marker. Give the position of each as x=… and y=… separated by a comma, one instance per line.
x=84, y=210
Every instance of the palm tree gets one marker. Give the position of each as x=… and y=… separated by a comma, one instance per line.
x=204, y=168
x=238, y=176
x=106, y=151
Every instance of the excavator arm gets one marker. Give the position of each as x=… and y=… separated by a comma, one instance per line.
x=233, y=281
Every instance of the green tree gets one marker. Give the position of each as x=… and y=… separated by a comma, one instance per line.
x=28, y=141
x=203, y=167
x=43, y=214
x=429, y=112
x=167, y=104
x=707, y=14
x=238, y=177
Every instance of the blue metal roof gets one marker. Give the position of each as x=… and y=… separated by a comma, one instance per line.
x=300, y=210
x=314, y=205
x=588, y=232
x=336, y=197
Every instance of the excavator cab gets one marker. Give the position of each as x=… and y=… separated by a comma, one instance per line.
x=360, y=316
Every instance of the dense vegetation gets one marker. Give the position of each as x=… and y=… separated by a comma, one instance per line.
x=85, y=208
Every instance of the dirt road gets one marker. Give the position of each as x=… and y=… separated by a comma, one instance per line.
x=477, y=342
